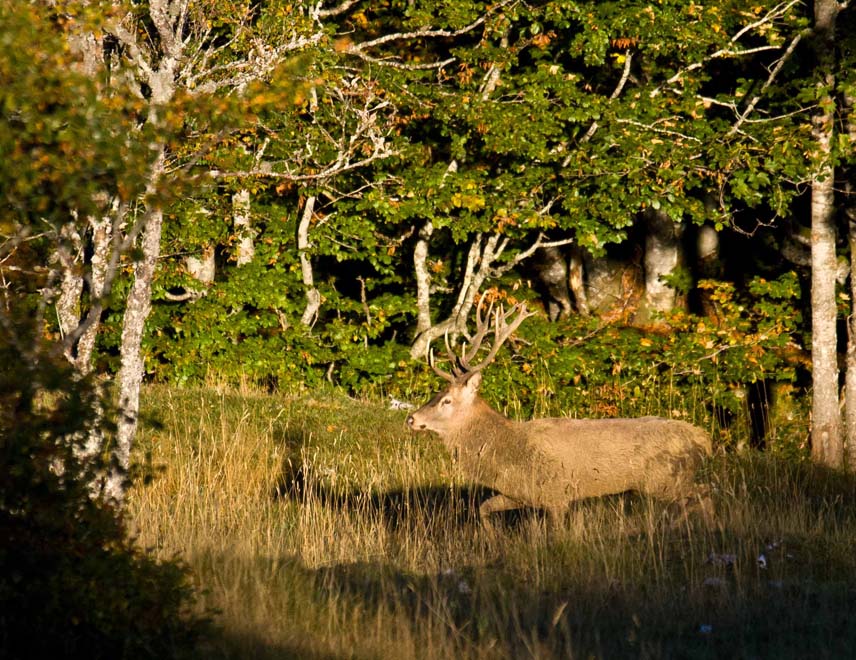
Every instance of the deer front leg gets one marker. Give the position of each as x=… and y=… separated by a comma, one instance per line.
x=497, y=503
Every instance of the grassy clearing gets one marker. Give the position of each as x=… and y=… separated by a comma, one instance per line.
x=319, y=528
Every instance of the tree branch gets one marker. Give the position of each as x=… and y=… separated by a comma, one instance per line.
x=776, y=12
x=655, y=129
x=628, y=60
x=773, y=73
x=359, y=50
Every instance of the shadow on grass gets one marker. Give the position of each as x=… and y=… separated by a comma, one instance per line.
x=225, y=644
x=490, y=612
x=427, y=505
x=424, y=504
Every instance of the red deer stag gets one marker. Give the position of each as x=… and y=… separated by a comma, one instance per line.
x=548, y=463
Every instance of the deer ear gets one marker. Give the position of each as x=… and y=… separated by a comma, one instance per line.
x=474, y=382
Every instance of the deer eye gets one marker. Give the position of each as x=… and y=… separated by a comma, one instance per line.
x=445, y=402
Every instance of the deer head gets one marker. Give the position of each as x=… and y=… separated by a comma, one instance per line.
x=453, y=406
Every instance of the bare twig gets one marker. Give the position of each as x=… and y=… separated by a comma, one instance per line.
x=359, y=49
x=656, y=129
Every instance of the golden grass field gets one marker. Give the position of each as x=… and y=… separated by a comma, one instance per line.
x=318, y=527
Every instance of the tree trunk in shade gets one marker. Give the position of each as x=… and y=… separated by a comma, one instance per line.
x=663, y=253
x=850, y=377
x=826, y=437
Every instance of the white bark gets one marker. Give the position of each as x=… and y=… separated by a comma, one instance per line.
x=423, y=277
x=662, y=256
x=100, y=278
x=69, y=258
x=313, y=296
x=137, y=308
x=203, y=269
x=132, y=369
x=826, y=437
x=242, y=222
x=826, y=422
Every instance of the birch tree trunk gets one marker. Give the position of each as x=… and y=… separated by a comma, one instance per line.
x=662, y=256
x=132, y=369
x=423, y=277
x=826, y=437
x=313, y=296
x=101, y=274
x=100, y=279
x=137, y=308
x=242, y=223
x=69, y=257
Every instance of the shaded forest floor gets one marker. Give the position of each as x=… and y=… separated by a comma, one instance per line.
x=320, y=528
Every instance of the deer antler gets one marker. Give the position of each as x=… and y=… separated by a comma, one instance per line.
x=502, y=329
x=445, y=375
x=481, y=331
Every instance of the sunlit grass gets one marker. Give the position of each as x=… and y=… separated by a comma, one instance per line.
x=318, y=527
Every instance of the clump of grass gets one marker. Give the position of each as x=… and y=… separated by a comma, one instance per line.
x=318, y=527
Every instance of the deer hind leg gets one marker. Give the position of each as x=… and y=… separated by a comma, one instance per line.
x=700, y=501
x=693, y=502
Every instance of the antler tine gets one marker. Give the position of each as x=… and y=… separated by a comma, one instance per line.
x=502, y=331
x=445, y=375
x=482, y=329
x=454, y=360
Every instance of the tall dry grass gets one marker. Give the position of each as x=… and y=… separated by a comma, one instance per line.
x=317, y=527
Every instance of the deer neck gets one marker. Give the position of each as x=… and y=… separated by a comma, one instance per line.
x=489, y=447
x=482, y=425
